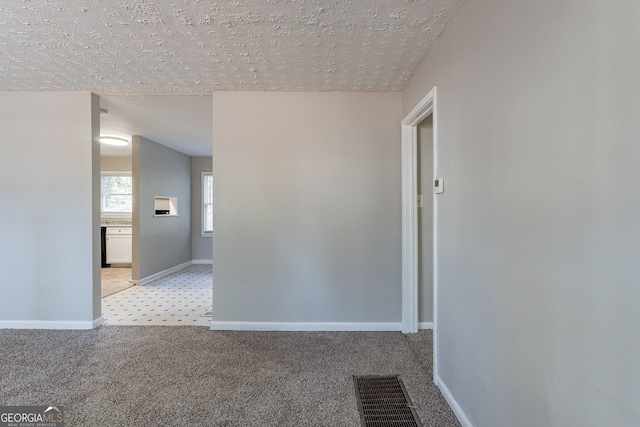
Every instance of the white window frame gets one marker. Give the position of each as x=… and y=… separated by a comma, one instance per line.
x=204, y=204
x=102, y=198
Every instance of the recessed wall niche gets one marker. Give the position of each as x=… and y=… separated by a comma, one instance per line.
x=165, y=206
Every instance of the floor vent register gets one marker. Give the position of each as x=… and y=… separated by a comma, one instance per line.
x=383, y=402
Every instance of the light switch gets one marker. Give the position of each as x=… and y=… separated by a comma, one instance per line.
x=419, y=200
x=438, y=186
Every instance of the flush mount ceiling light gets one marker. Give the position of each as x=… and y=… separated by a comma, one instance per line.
x=114, y=140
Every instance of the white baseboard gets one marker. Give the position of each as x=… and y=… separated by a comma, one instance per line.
x=304, y=326
x=51, y=324
x=425, y=325
x=162, y=273
x=457, y=410
x=202, y=261
x=98, y=322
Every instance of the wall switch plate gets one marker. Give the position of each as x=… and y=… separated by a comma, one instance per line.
x=438, y=185
x=420, y=203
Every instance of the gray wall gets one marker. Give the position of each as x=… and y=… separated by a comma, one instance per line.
x=159, y=243
x=307, y=212
x=201, y=247
x=49, y=249
x=115, y=164
x=425, y=220
x=538, y=106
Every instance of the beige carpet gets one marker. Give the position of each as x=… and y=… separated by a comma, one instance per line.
x=191, y=376
x=115, y=280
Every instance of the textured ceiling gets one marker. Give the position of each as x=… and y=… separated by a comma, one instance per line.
x=143, y=47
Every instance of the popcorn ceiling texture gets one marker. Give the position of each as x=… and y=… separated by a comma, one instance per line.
x=146, y=47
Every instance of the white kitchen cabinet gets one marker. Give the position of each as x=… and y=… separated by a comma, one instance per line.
x=119, y=245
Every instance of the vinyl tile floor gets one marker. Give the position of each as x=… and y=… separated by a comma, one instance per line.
x=115, y=280
x=181, y=298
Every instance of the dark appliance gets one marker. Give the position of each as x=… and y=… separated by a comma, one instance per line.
x=103, y=247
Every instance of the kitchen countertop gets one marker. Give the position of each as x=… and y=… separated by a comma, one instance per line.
x=116, y=222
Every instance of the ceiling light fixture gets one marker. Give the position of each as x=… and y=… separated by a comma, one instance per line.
x=114, y=140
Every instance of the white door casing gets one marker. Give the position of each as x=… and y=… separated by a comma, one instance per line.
x=409, y=150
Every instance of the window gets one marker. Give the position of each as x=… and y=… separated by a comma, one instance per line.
x=117, y=189
x=207, y=203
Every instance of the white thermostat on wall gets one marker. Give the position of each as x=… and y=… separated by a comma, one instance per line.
x=438, y=185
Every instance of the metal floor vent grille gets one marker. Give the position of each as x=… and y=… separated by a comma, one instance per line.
x=384, y=402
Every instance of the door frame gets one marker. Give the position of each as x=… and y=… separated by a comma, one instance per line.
x=409, y=149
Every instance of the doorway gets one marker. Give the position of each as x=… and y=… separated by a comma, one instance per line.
x=412, y=269
x=169, y=149
x=116, y=207
x=424, y=181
